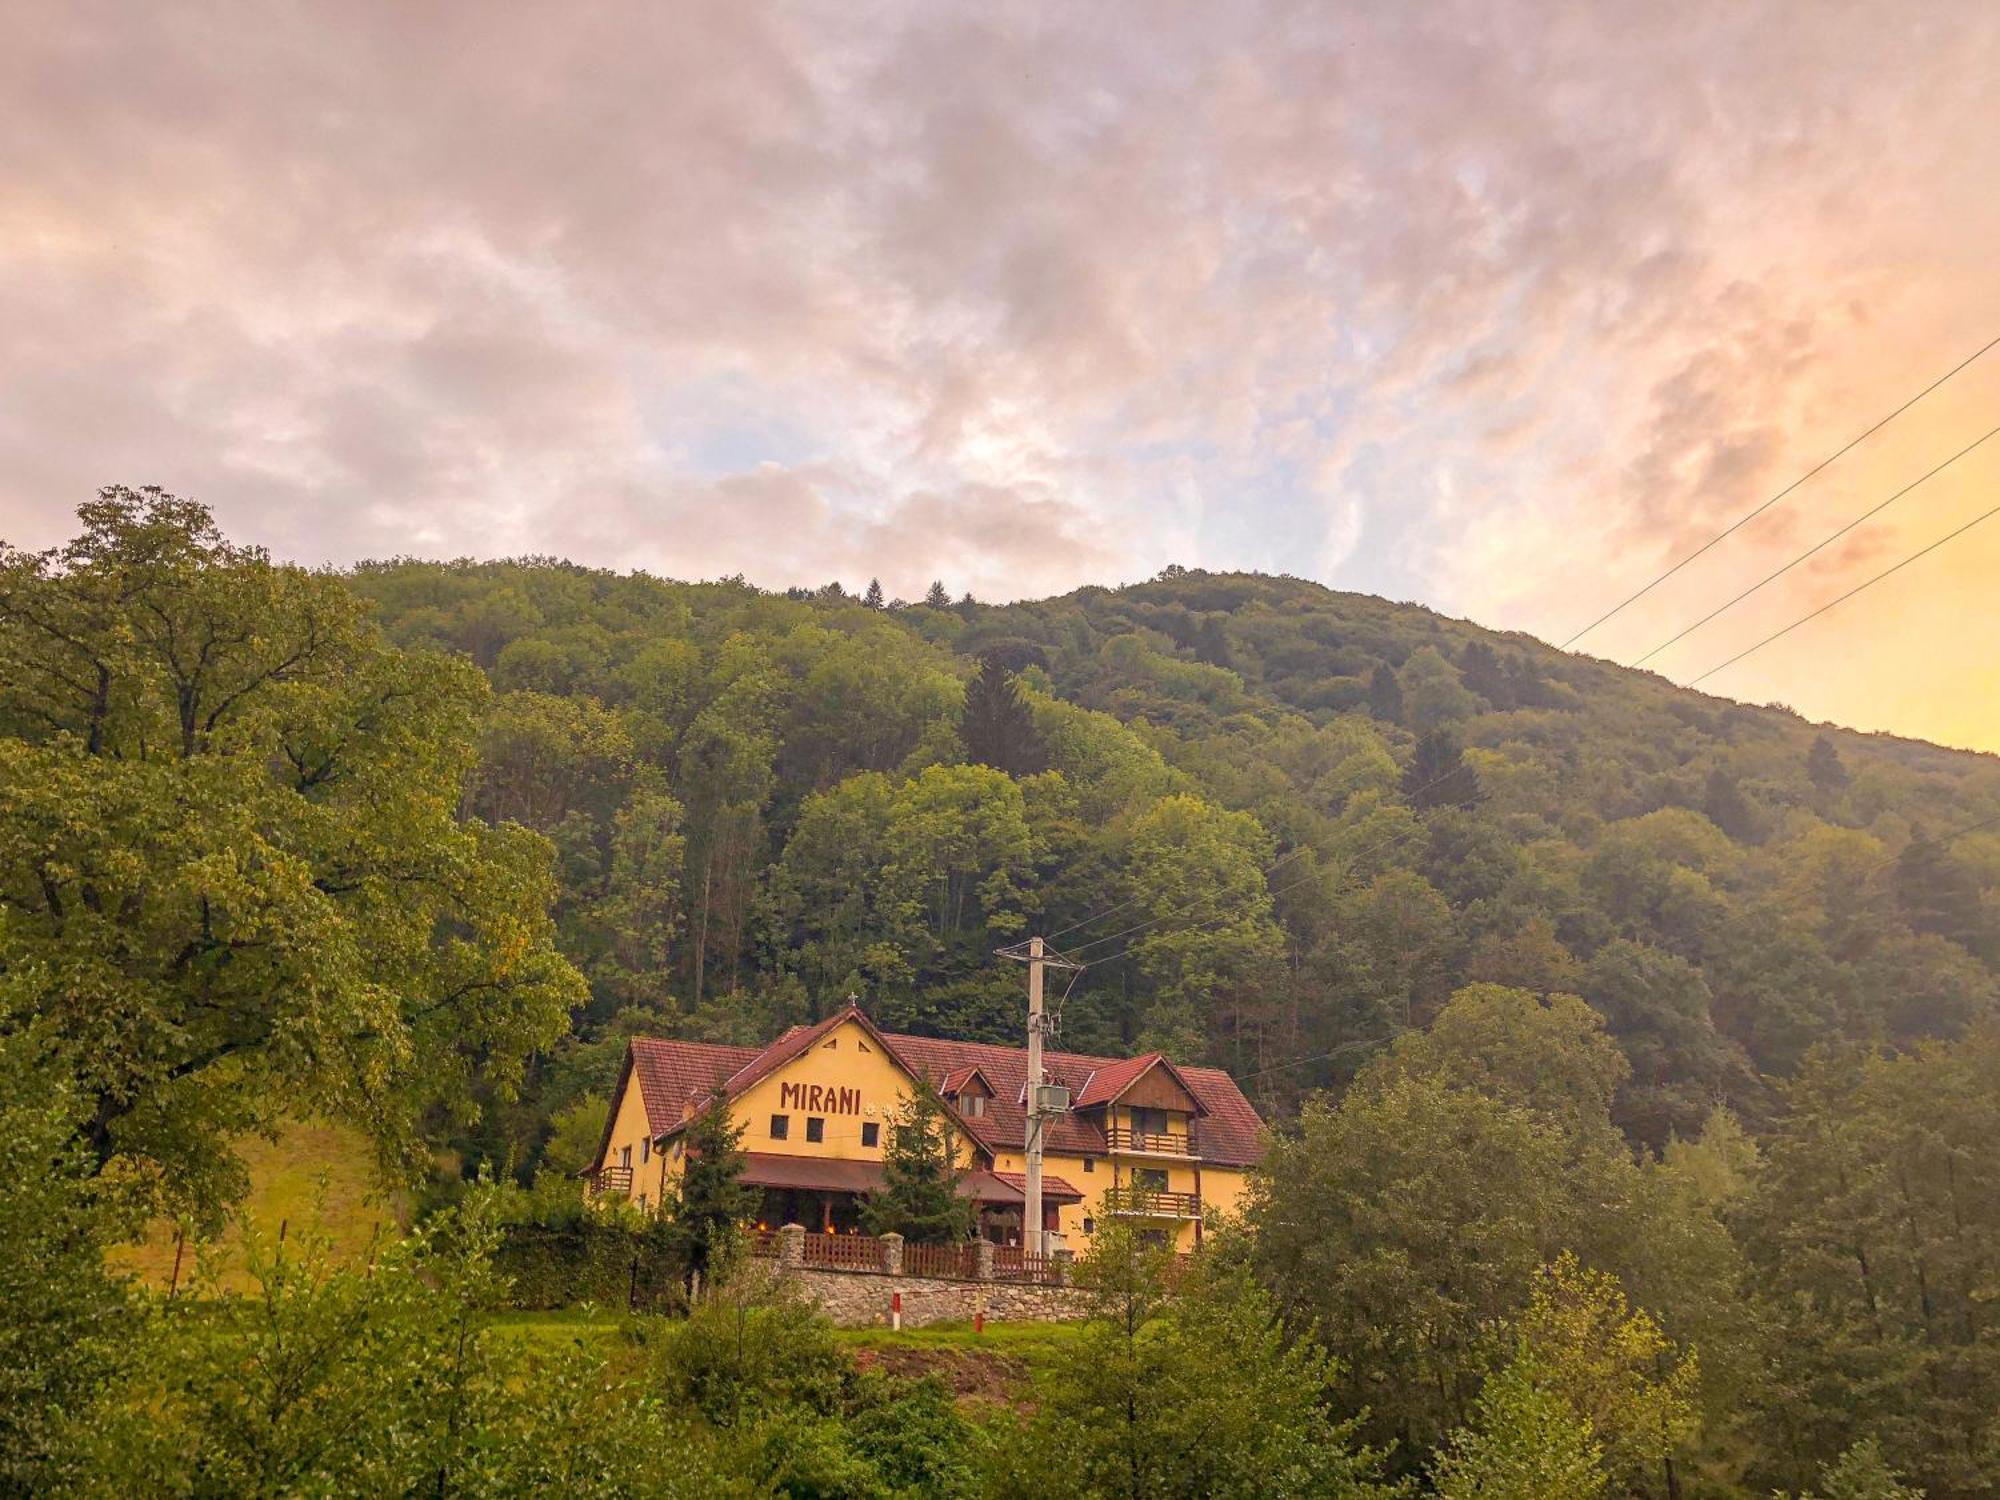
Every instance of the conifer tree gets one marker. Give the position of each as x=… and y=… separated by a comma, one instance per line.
x=873, y=598
x=936, y=597
x=1824, y=767
x=919, y=1198
x=1726, y=807
x=712, y=1198
x=1385, y=693
x=1437, y=775
x=997, y=727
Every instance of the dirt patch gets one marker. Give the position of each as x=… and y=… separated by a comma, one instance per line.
x=972, y=1376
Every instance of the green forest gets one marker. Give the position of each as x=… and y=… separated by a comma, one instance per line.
x=1630, y=1054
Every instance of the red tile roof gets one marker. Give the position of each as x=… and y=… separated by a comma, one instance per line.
x=673, y=1075
x=1054, y=1189
x=1229, y=1134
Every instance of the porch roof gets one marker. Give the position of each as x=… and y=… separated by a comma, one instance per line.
x=825, y=1174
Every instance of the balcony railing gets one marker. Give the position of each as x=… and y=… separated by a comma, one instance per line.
x=609, y=1180
x=1152, y=1203
x=1149, y=1142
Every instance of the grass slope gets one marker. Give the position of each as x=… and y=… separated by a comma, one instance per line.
x=315, y=1178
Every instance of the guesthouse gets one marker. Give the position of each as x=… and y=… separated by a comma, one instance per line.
x=1144, y=1140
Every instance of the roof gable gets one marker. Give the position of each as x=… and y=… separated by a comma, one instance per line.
x=801, y=1040
x=1110, y=1084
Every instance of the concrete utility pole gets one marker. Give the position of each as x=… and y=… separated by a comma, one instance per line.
x=1040, y=1099
x=1033, y=1239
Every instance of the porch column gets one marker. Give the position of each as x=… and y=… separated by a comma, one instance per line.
x=791, y=1247
x=892, y=1253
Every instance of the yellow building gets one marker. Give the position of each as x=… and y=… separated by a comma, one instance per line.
x=1164, y=1147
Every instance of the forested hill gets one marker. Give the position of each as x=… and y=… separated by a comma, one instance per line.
x=764, y=803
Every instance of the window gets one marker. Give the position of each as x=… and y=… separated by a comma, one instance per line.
x=1089, y=1225
x=646, y=1149
x=1149, y=1121
x=871, y=1134
x=815, y=1128
x=1150, y=1179
x=625, y=1157
x=975, y=1105
x=1089, y=1164
x=781, y=1126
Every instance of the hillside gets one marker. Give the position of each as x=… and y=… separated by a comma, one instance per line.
x=764, y=803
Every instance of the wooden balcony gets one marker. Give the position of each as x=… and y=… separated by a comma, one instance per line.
x=1152, y=1203
x=1127, y=1142
x=609, y=1180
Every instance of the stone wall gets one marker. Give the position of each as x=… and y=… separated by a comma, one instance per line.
x=857, y=1299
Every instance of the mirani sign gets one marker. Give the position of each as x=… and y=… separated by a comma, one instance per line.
x=819, y=1099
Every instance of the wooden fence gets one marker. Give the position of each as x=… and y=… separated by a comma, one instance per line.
x=1011, y=1263
x=843, y=1252
x=952, y=1262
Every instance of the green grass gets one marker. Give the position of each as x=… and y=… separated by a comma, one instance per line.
x=315, y=1178
x=580, y=1324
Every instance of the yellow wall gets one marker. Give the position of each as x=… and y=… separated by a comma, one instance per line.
x=629, y=1129
x=845, y=1058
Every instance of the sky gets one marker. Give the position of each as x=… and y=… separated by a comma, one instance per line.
x=1501, y=307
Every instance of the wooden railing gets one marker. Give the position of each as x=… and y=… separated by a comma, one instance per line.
x=1012, y=1263
x=609, y=1180
x=763, y=1243
x=847, y=1252
x=1149, y=1142
x=1152, y=1203
x=952, y=1262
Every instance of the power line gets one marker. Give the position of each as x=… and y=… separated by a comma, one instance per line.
x=1416, y=791
x=1744, y=520
x=1831, y=604
x=1136, y=896
x=1816, y=547
x=1349, y=862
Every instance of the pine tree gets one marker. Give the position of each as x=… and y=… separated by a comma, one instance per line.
x=1726, y=806
x=1437, y=775
x=1385, y=693
x=712, y=1198
x=1480, y=666
x=1211, y=642
x=1823, y=766
x=997, y=728
x=919, y=1198
x=873, y=598
x=936, y=597
x=1938, y=895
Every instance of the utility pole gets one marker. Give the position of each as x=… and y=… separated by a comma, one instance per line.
x=1035, y=1240
x=1041, y=1100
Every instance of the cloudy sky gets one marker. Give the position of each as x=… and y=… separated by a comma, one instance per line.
x=1496, y=306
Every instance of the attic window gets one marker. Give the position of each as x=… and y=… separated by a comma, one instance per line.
x=829, y=1044
x=862, y=1045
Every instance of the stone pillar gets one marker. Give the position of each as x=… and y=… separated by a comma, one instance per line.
x=892, y=1253
x=791, y=1247
x=983, y=1262
x=1065, y=1265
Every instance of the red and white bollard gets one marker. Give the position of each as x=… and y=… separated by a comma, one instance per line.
x=979, y=1321
x=896, y=1311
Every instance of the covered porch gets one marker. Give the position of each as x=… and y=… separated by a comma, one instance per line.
x=825, y=1195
